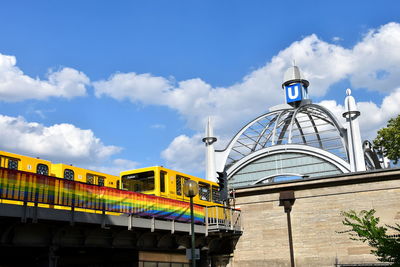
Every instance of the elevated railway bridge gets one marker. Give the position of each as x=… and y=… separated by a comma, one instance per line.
x=47, y=221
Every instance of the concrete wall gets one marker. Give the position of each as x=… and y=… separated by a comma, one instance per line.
x=315, y=219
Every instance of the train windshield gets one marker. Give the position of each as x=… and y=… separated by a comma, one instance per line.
x=138, y=182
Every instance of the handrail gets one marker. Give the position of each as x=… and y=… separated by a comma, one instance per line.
x=221, y=217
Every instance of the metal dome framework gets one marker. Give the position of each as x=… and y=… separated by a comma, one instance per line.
x=310, y=125
x=307, y=140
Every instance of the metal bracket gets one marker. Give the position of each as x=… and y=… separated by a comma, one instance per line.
x=130, y=222
x=153, y=224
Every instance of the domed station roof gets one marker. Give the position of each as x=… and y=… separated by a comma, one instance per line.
x=307, y=140
x=292, y=141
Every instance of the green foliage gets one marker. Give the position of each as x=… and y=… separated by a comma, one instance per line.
x=389, y=139
x=364, y=227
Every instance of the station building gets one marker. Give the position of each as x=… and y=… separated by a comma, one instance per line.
x=297, y=139
x=302, y=148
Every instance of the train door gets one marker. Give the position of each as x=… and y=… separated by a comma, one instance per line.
x=163, y=179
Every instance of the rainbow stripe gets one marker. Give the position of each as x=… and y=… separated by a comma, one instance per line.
x=30, y=187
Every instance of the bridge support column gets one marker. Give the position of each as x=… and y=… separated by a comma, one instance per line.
x=53, y=258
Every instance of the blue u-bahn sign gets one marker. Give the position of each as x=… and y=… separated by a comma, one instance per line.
x=294, y=93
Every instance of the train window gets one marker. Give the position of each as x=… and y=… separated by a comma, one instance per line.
x=101, y=180
x=42, y=169
x=13, y=164
x=89, y=179
x=162, y=181
x=204, y=191
x=69, y=174
x=179, y=185
x=117, y=186
x=138, y=182
x=215, y=194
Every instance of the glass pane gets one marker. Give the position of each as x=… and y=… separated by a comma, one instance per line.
x=138, y=182
x=42, y=169
x=13, y=164
x=69, y=174
x=178, y=185
x=89, y=179
x=215, y=194
x=164, y=264
x=162, y=181
x=101, y=181
x=204, y=192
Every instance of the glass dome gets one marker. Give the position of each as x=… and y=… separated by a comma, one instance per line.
x=307, y=140
x=310, y=125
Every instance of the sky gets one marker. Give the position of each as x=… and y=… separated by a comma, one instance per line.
x=118, y=85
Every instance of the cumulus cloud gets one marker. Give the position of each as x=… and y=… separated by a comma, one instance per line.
x=185, y=154
x=373, y=116
x=372, y=64
x=16, y=86
x=60, y=142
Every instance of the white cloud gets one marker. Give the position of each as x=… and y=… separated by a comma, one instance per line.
x=60, y=142
x=185, y=154
x=158, y=126
x=135, y=87
x=16, y=86
x=371, y=64
x=373, y=117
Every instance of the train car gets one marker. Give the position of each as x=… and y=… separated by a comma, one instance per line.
x=167, y=183
x=23, y=163
x=74, y=173
x=44, y=167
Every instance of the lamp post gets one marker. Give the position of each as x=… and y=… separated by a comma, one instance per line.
x=191, y=189
x=287, y=199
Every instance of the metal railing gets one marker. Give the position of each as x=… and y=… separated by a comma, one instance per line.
x=52, y=192
x=24, y=188
x=223, y=218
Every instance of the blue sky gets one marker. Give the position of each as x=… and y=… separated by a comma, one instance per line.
x=113, y=85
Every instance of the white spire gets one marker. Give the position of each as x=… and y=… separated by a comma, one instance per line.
x=356, y=154
x=209, y=140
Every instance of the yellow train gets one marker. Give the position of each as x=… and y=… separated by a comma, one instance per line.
x=167, y=183
x=59, y=170
x=157, y=180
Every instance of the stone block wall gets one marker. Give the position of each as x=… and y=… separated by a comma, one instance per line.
x=315, y=219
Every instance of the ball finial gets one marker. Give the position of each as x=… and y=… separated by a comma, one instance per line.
x=348, y=91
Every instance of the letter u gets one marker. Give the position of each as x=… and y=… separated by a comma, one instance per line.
x=290, y=92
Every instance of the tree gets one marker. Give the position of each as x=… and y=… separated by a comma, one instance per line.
x=388, y=139
x=364, y=227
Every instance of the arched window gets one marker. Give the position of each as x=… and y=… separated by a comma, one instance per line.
x=13, y=164
x=69, y=174
x=42, y=169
